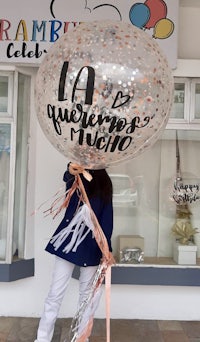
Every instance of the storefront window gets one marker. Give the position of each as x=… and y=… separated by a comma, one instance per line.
x=197, y=101
x=179, y=100
x=3, y=94
x=14, y=128
x=19, y=219
x=145, y=202
x=4, y=185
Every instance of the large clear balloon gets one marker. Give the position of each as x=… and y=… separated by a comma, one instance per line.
x=103, y=93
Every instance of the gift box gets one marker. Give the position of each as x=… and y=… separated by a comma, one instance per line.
x=130, y=248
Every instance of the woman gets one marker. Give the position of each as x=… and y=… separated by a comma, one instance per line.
x=73, y=246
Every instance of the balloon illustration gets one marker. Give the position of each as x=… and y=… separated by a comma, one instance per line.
x=163, y=29
x=103, y=93
x=158, y=10
x=139, y=14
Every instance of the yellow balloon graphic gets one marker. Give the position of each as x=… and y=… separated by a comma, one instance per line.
x=163, y=29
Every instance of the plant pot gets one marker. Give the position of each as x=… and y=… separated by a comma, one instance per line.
x=197, y=242
x=185, y=254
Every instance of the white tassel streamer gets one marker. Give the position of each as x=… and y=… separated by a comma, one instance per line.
x=80, y=221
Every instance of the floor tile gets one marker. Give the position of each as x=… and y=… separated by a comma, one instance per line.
x=66, y=324
x=20, y=329
x=97, y=339
x=23, y=330
x=135, y=331
x=169, y=325
x=174, y=336
x=3, y=337
x=99, y=327
x=191, y=329
x=6, y=323
x=57, y=331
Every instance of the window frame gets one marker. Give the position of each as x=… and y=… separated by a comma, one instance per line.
x=10, y=118
x=11, y=269
x=194, y=81
x=10, y=75
x=186, y=114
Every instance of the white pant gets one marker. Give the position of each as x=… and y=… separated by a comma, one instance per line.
x=60, y=279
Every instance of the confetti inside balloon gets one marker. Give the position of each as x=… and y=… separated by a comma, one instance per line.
x=103, y=93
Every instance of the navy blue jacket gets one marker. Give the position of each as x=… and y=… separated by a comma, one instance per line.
x=88, y=252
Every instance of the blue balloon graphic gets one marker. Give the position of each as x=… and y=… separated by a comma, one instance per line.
x=139, y=14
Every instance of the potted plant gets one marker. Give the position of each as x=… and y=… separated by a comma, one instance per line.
x=185, y=250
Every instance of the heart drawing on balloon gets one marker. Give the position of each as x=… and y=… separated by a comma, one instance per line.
x=121, y=98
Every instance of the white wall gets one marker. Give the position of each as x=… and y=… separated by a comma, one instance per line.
x=189, y=40
x=26, y=297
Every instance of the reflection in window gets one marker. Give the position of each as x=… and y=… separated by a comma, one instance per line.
x=14, y=128
x=3, y=94
x=19, y=220
x=4, y=185
x=124, y=193
x=197, y=101
x=179, y=98
x=152, y=176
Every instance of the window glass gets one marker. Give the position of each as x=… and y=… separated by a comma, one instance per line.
x=4, y=184
x=21, y=163
x=3, y=94
x=197, y=101
x=143, y=197
x=179, y=99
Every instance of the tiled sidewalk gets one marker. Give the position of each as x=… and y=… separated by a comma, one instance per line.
x=14, y=329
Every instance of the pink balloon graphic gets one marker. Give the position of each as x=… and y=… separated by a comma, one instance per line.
x=158, y=10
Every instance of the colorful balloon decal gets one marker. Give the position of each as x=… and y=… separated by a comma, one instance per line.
x=152, y=14
x=139, y=15
x=103, y=93
x=163, y=29
x=157, y=9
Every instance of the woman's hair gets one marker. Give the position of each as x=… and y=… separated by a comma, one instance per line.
x=100, y=185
